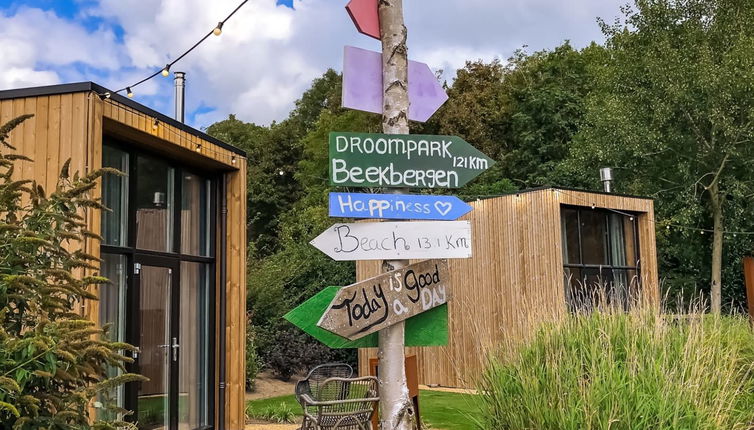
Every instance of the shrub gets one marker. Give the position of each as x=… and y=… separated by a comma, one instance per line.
x=635, y=370
x=53, y=362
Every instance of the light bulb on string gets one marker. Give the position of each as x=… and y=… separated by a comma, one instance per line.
x=129, y=93
x=219, y=29
x=166, y=70
x=233, y=159
x=155, y=124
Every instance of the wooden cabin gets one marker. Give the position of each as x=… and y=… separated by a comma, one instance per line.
x=173, y=246
x=537, y=255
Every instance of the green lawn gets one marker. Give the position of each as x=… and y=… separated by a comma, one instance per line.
x=443, y=411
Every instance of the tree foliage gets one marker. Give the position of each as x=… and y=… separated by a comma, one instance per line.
x=53, y=361
x=672, y=110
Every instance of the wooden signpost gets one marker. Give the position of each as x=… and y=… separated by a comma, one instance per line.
x=398, y=160
x=397, y=206
x=406, y=305
x=384, y=300
x=405, y=240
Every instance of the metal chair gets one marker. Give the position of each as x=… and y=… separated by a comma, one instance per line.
x=341, y=404
x=310, y=384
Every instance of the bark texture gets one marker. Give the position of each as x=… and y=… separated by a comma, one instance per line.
x=717, y=247
x=396, y=409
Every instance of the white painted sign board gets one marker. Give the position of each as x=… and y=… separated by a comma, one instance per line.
x=396, y=240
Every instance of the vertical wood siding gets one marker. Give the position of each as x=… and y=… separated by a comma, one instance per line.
x=71, y=126
x=513, y=282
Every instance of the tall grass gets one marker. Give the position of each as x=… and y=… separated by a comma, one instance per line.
x=616, y=370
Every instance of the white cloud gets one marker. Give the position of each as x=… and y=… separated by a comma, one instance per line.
x=268, y=55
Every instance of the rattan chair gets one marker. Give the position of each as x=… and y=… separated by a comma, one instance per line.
x=341, y=404
x=310, y=384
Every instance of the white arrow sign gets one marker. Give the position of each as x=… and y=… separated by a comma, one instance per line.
x=396, y=240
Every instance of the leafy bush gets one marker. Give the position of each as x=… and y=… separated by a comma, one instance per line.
x=53, y=362
x=295, y=351
x=636, y=370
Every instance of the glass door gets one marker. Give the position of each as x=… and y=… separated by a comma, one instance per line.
x=154, y=330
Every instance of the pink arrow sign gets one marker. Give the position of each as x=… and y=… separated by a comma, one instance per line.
x=362, y=85
x=365, y=16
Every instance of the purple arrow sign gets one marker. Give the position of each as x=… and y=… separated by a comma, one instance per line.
x=362, y=85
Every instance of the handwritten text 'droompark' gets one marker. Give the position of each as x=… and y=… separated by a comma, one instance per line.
x=397, y=160
x=396, y=240
x=371, y=305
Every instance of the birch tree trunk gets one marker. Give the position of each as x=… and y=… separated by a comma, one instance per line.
x=396, y=409
x=717, y=247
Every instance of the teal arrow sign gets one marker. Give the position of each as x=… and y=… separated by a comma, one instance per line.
x=403, y=160
x=426, y=329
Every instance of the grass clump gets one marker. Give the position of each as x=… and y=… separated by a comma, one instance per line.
x=616, y=370
x=279, y=413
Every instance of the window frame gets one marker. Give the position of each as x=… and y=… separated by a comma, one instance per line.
x=601, y=268
x=134, y=254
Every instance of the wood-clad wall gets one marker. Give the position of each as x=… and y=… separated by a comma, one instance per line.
x=513, y=282
x=72, y=126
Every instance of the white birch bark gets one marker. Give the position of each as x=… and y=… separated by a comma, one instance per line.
x=396, y=409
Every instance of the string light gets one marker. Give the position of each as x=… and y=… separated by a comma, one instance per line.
x=165, y=71
x=129, y=93
x=199, y=147
x=233, y=159
x=155, y=124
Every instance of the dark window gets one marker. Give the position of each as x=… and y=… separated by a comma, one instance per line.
x=600, y=257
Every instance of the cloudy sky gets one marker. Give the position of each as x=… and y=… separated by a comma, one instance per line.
x=268, y=53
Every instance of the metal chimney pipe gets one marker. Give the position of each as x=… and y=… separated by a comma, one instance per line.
x=180, y=94
x=606, y=176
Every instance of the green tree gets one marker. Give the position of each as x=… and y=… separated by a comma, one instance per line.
x=53, y=362
x=673, y=110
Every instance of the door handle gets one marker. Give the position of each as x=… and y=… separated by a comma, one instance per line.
x=175, y=347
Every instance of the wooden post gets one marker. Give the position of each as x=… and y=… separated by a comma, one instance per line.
x=396, y=411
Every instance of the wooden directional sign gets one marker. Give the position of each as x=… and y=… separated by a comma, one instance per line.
x=365, y=16
x=397, y=206
x=379, y=302
x=362, y=85
x=426, y=329
x=396, y=240
x=403, y=160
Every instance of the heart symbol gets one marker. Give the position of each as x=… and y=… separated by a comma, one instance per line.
x=443, y=207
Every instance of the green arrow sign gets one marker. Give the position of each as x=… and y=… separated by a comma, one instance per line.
x=403, y=160
x=427, y=329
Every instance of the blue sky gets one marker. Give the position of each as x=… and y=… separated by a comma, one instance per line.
x=268, y=53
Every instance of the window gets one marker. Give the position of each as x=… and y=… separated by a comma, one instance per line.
x=114, y=197
x=112, y=313
x=154, y=204
x=195, y=237
x=600, y=257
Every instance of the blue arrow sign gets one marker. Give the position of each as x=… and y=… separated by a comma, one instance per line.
x=397, y=206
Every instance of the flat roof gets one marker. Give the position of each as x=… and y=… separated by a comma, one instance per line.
x=80, y=87
x=549, y=187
